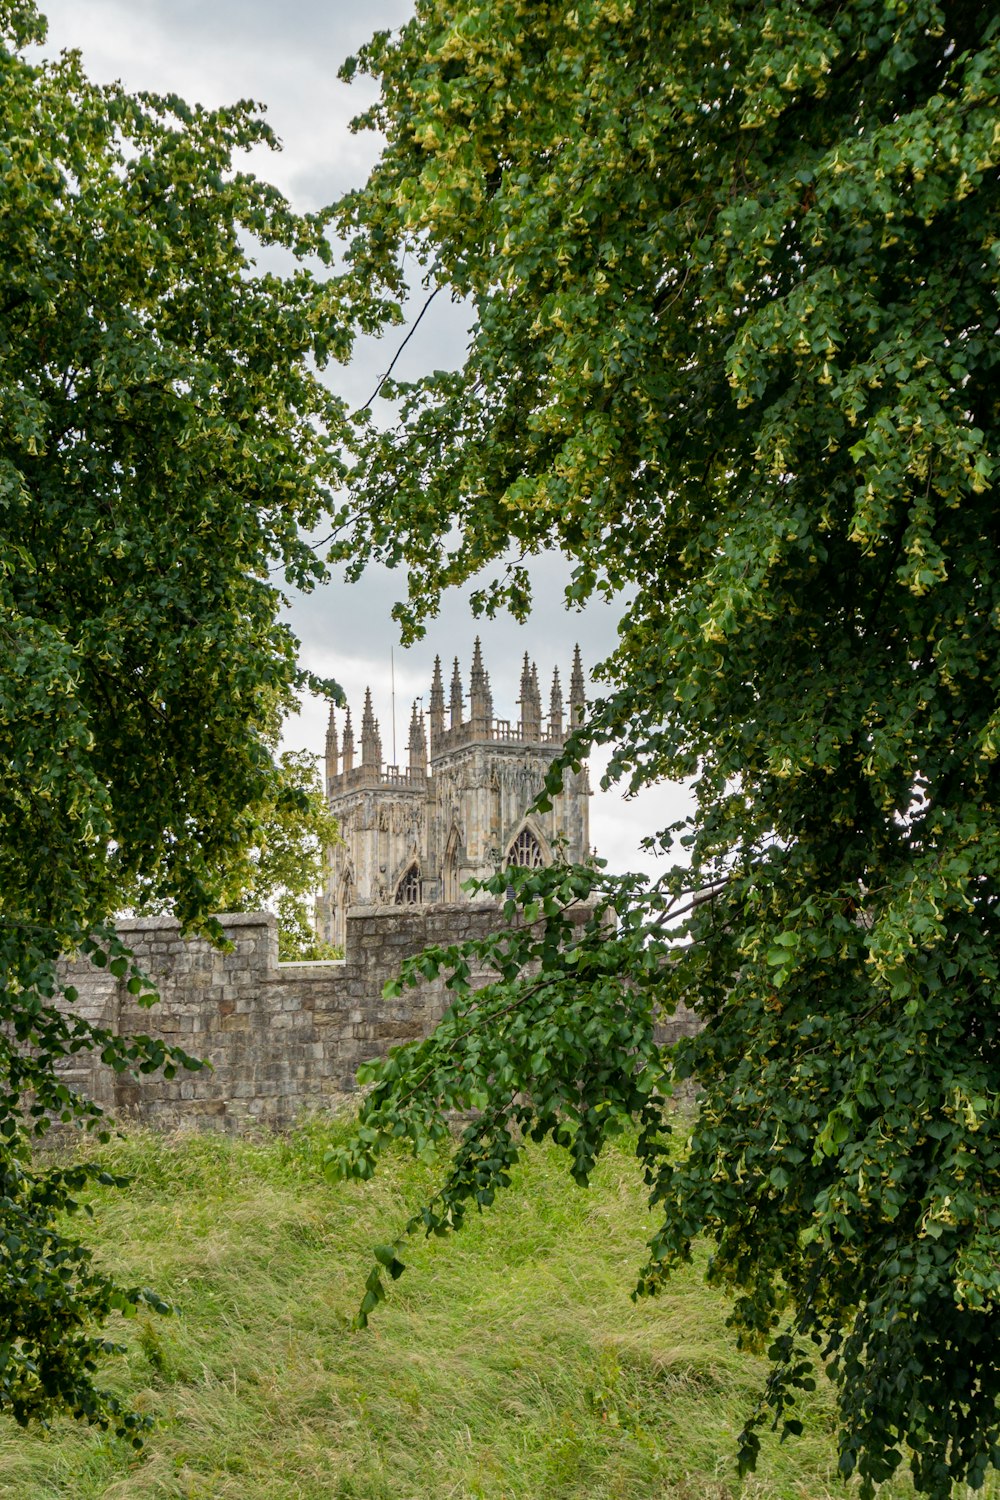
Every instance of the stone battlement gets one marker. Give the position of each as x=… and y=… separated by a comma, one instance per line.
x=280, y=1037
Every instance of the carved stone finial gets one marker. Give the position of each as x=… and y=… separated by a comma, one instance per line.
x=456, y=696
x=371, y=740
x=417, y=743
x=531, y=703
x=555, y=708
x=436, y=707
x=348, y=746
x=480, y=706
x=577, y=690
x=332, y=757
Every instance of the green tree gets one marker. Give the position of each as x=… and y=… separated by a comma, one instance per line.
x=734, y=272
x=163, y=438
x=282, y=869
x=278, y=865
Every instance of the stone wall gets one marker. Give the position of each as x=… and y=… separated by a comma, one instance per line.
x=281, y=1038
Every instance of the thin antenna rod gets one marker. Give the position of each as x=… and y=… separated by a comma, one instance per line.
x=392, y=681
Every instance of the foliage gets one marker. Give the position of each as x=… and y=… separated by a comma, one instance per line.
x=163, y=437
x=734, y=271
x=282, y=868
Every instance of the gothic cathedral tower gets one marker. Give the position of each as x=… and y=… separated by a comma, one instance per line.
x=460, y=808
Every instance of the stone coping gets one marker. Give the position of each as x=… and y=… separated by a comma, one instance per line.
x=268, y=919
x=171, y=924
x=303, y=965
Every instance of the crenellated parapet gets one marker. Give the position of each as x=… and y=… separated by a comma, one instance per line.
x=281, y=1038
x=531, y=727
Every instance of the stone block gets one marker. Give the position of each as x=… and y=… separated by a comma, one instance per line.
x=277, y=1035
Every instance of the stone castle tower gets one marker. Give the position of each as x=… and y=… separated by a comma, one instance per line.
x=460, y=807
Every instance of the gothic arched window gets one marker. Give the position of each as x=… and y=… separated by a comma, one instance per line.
x=408, y=889
x=526, y=851
x=450, y=870
x=343, y=898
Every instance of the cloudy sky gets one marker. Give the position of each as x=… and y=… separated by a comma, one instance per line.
x=286, y=56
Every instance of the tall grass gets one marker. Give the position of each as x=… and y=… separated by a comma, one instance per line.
x=508, y=1364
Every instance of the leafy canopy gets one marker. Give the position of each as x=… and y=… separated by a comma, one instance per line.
x=734, y=273
x=279, y=864
x=164, y=437
x=283, y=868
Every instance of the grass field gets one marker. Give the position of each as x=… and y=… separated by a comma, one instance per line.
x=508, y=1364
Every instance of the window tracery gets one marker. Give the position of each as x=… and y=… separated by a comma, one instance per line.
x=526, y=851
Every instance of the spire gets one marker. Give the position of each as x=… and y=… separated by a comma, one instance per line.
x=348, y=744
x=525, y=680
x=555, y=708
x=437, y=706
x=331, y=749
x=371, y=742
x=456, y=697
x=418, y=745
x=477, y=675
x=480, y=708
x=577, y=691
x=531, y=703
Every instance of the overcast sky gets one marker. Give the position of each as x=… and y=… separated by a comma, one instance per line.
x=286, y=57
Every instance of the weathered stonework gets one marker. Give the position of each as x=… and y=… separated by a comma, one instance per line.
x=281, y=1038
x=459, y=809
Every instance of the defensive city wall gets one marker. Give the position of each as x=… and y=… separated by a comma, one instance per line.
x=282, y=1038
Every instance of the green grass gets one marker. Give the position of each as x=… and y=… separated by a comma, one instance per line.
x=508, y=1364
